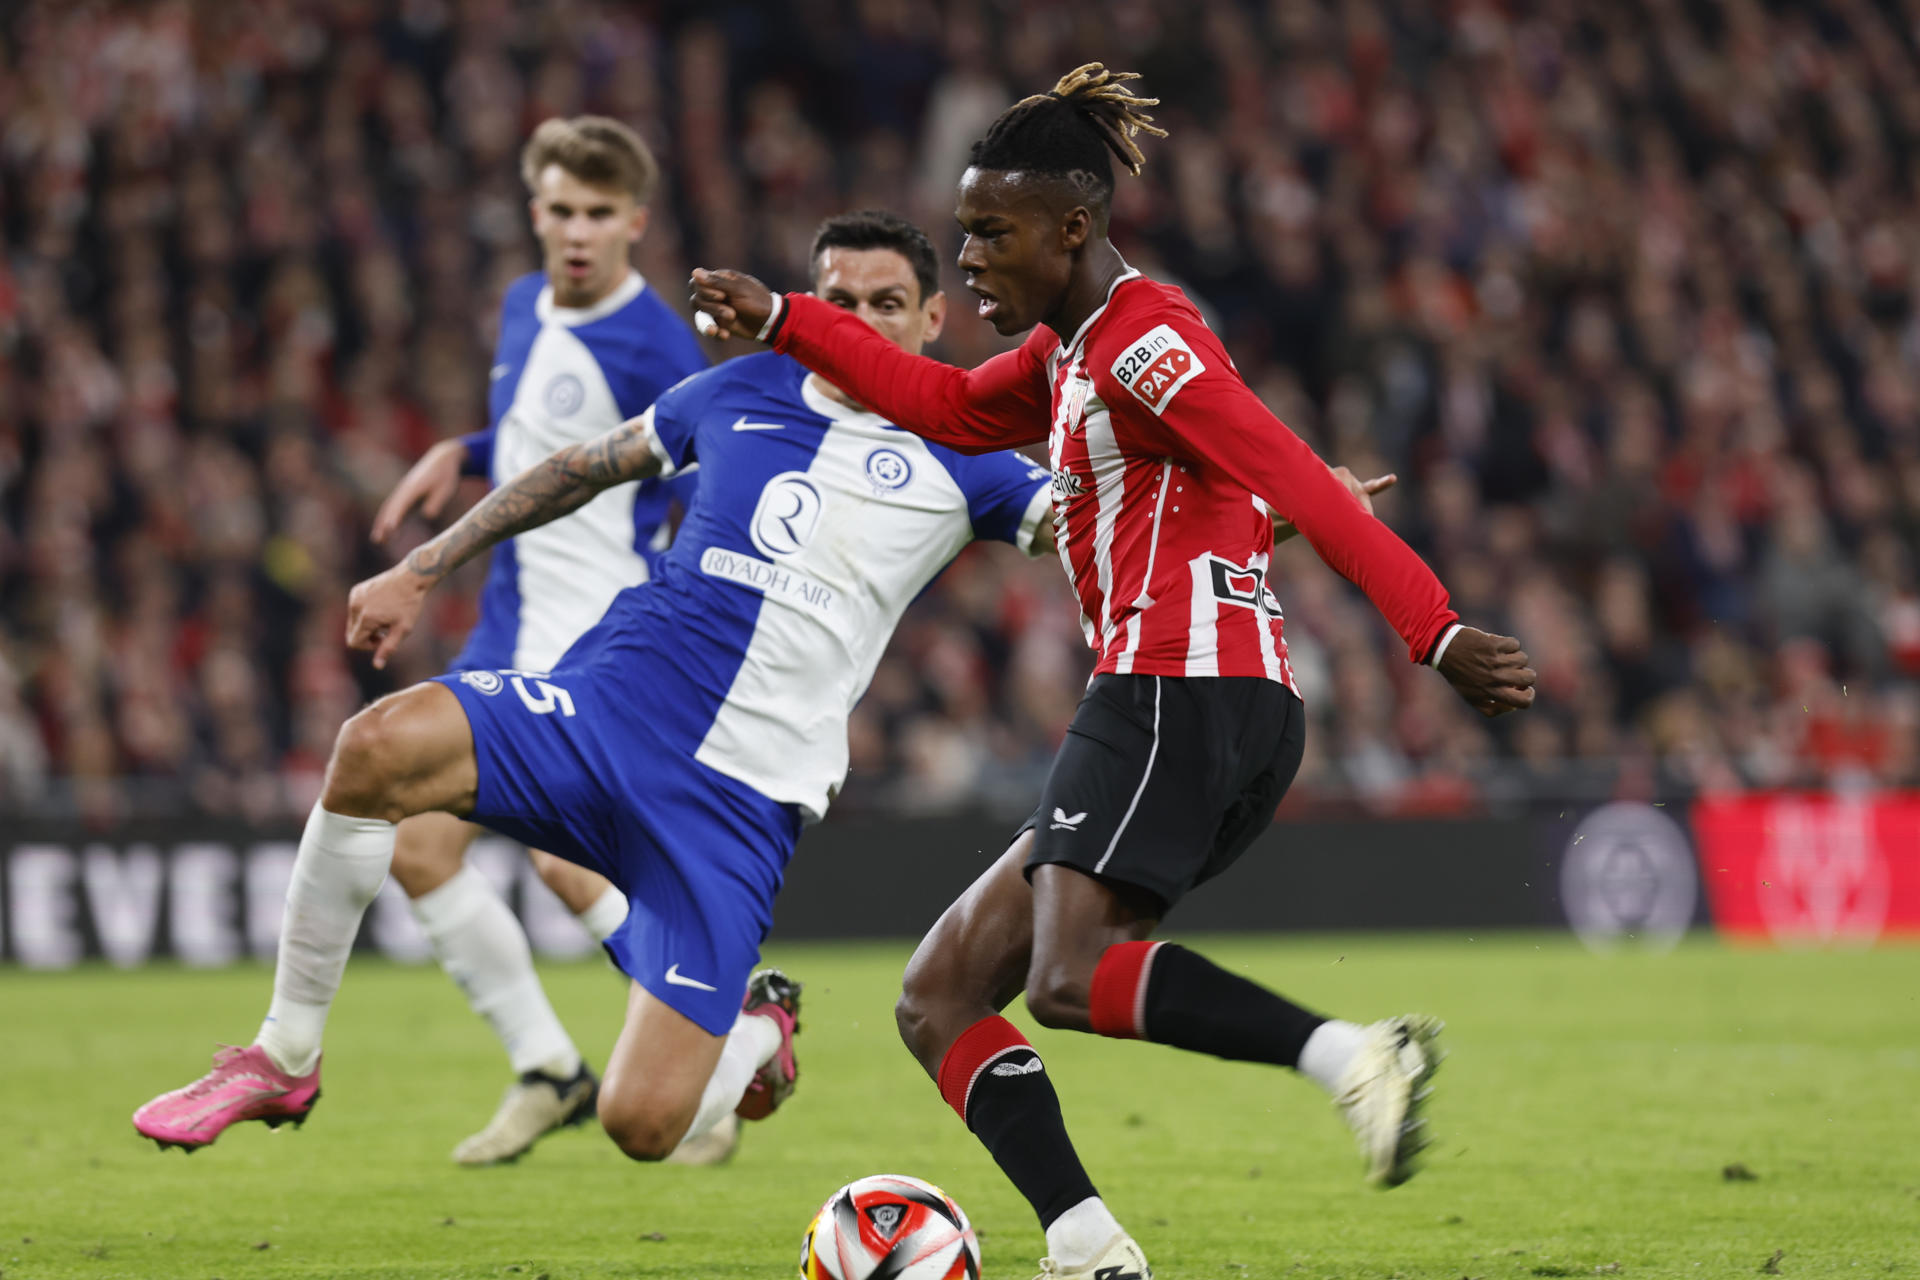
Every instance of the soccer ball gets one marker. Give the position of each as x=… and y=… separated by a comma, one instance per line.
x=890, y=1225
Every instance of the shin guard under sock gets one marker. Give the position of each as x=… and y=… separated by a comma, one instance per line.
x=996, y=1082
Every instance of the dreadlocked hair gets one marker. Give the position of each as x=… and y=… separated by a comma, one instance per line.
x=1090, y=117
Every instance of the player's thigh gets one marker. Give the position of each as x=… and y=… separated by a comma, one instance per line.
x=1130, y=800
x=1269, y=766
x=973, y=961
x=658, y=1069
x=429, y=849
x=539, y=744
x=573, y=884
x=410, y=752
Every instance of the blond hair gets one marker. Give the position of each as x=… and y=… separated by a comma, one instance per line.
x=595, y=149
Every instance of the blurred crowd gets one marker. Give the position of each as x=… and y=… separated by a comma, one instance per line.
x=1622, y=290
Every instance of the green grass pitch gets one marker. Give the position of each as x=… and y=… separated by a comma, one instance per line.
x=1586, y=1115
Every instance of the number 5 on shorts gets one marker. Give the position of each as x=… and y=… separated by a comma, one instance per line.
x=550, y=696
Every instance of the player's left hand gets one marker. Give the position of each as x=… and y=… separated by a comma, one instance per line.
x=1491, y=672
x=1362, y=491
x=736, y=302
x=382, y=611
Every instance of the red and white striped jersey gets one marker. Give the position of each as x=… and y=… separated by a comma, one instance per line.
x=1164, y=467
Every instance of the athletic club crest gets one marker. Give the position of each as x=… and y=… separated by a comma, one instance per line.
x=1073, y=401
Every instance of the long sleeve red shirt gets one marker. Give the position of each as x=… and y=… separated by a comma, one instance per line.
x=1164, y=465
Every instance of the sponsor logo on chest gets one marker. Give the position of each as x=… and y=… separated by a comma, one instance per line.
x=1245, y=585
x=1156, y=365
x=776, y=582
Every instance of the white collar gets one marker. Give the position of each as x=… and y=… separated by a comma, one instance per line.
x=1080, y=334
x=833, y=411
x=573, y=317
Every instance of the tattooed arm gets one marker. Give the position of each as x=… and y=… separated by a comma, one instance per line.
x=381, y=611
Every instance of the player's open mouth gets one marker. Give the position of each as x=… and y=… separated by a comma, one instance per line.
x=578, y=267
x=988, y=303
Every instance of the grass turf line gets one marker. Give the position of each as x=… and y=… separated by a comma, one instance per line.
x=1585, y=1117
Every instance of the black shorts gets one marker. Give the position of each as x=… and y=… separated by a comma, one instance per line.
x=1164, y=780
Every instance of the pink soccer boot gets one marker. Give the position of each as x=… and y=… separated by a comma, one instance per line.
x=772, y=994
x=243, y=1085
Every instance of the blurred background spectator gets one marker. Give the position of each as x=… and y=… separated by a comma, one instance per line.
x=1622, y=289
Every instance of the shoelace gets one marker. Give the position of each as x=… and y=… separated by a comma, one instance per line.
x=222, y=1058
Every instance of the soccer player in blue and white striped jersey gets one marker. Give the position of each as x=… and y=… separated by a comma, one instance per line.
x=682, y=744
x=583, y=345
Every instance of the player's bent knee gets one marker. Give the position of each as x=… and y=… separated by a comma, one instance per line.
x=363, y=760
x=911, y=1016
x=1058, y=1000
x=642, y=1133
x=929, y=1007
x=430, y=851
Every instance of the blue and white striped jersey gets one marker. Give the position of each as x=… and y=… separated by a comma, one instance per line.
x=813, y=528
x=562, y=375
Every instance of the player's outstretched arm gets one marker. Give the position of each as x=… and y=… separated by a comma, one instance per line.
x=1002, y=404
x=382, y=611
x=1208, y=415
x=1228, y=425
x=1362, y=491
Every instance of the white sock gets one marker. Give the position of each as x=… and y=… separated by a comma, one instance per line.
x=608, y=912
x=750, y=1045
x=1077, y=1236
x=341, y=865
x=484, y=950
x=1329, y=1050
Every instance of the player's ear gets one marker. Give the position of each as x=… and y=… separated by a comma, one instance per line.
x=638, y=226
x=1075, y=228
x=936, y=315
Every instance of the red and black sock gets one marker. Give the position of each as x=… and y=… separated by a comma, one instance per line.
x=996, y=1081
x=1165, y=993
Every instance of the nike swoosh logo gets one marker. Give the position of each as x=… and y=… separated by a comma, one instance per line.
x=498, y=372
x=674, y=976
x=743, y=425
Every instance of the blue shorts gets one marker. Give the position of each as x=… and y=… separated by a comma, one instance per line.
x=578, y=763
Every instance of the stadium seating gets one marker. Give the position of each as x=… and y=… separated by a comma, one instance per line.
x=1628, y=306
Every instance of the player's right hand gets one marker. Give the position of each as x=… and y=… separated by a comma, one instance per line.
x=736, y=302
x=1491, y=672
x=381, y=611
x=430, y=485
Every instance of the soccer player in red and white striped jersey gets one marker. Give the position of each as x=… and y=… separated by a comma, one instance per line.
x=1167, y=471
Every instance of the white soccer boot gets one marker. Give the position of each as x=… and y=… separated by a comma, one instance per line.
x=535, y=1105
x=715, y=1146
x=1384, y=1090
x=1120, y=1260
